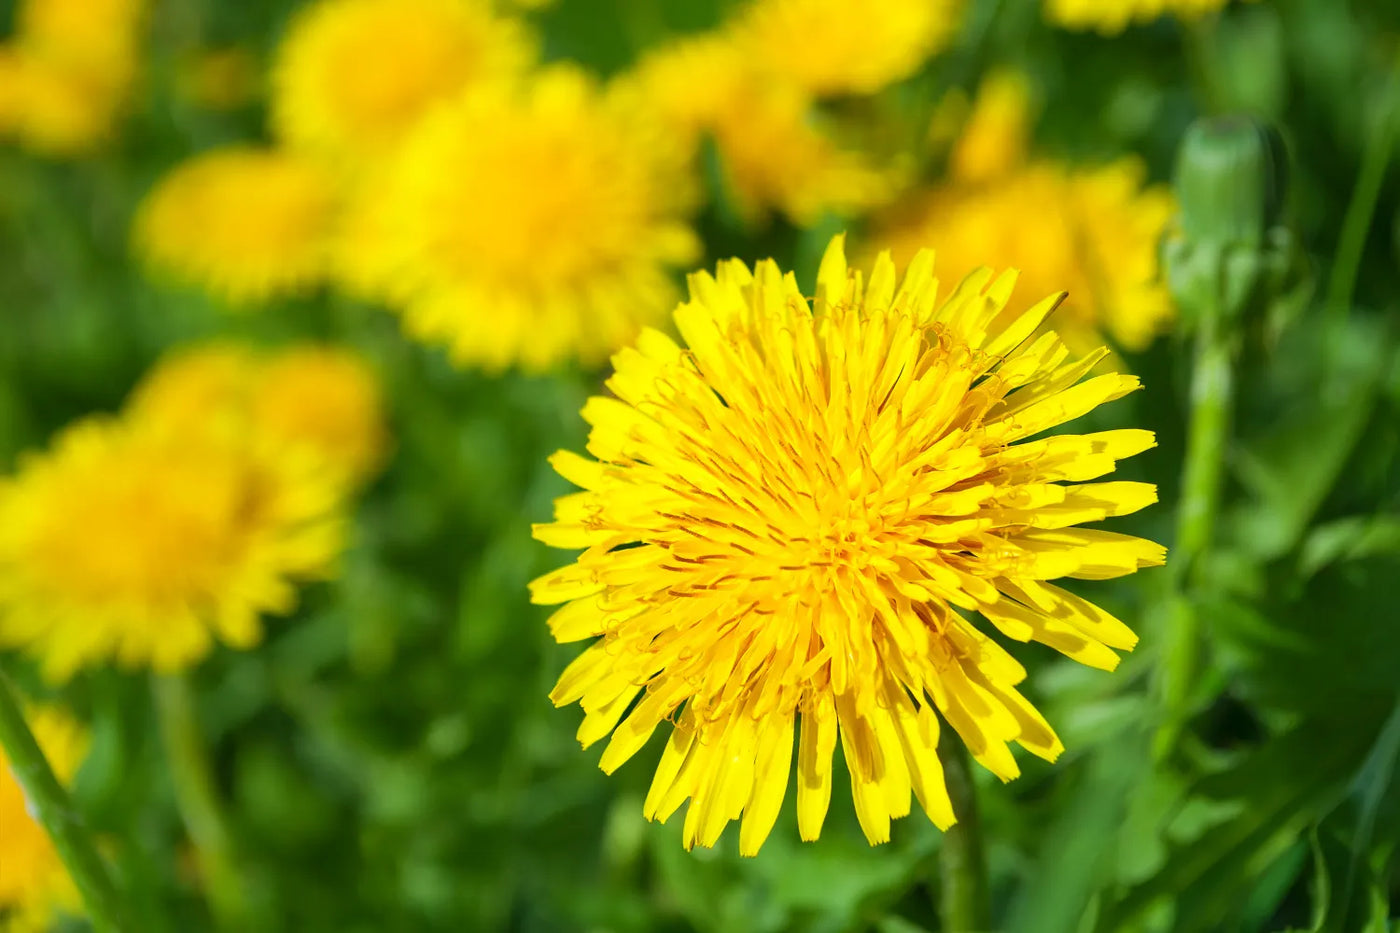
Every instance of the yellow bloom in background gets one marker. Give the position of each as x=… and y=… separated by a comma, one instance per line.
x=353, y=76
x=996, y=137
x=1111, y=17
x=793, y=517
x=134, y=542
x=67, y=74
x=830, y=47
x=243, y=223
x=532, y=224
x=33, y=882
x=774, y=153
x=310, y=401
x=1093, y=232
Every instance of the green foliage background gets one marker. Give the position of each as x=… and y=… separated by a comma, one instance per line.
x=389, y=758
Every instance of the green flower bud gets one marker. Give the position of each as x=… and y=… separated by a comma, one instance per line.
x=1230, y=257
x=1230, y=180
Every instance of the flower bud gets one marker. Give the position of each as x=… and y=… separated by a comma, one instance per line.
x=1230, y=181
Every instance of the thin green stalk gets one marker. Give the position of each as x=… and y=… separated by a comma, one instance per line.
x=1212, y=398
x=198, y=800
x=964, y=906
x=1362, y=206
x=53, y=810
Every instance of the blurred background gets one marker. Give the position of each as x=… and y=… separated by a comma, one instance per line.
x=456, y=211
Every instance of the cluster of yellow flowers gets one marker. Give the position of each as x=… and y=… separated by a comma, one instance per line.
x=1093, y=232
x=67, y=72
x=142, y=537
x=521, y=215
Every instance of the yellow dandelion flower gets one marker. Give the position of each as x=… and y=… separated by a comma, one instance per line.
x=996, y=137
x=834, y=47
x=100, y=35
x=69, y=72
x=34, y=881
x=245, y=224
x=313, y=401
x=1110, y=17
x=775, y=154
x=134, y=543
x=52, y=109
x=352, y=76
x=534, y=223
x=1093, y=232
x=793, y=519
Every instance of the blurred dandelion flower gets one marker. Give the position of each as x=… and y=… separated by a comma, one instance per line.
x=792, y=517
x=531, y=224
x=139, y=542
x=1092, y=231
x=245, y=224
x=315, y=401
x=1110, y=17
x=34, y=881
x=774, y=153
x=353, y=76
x=832, y=47
x=996, y=137
x=69, y=71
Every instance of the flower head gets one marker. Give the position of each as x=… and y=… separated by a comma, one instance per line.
x=835, y=47
x=319, y=403
x=141, y=541
x=775, y=153
x=1111, y=17
x=68, y=72
x=532, y=223
x=1094, y=231
x=794, y=518
x=353, y=76
x=246, y=224
x=1091, y=231
x=34, y=880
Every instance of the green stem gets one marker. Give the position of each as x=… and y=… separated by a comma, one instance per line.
x=1212, y=397
x=198, y=800
x=964, y=906
x=1362, y=206
x=53, y=809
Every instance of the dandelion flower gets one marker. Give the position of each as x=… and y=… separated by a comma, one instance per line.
x=834, y=47
x=352, y=76
x=534, y=223
x=34, y=881
x=314, y=401
x=996, y=137
x=1110, y=17
x=131, y=542
x=775, y=154
x=245, y=224
x=1094, y=231
x=794, y=518
x=69, y=71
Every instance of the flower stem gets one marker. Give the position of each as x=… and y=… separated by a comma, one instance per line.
x=53, y=809
x=964, y=905
x=1212, y=397
x=198, y=801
